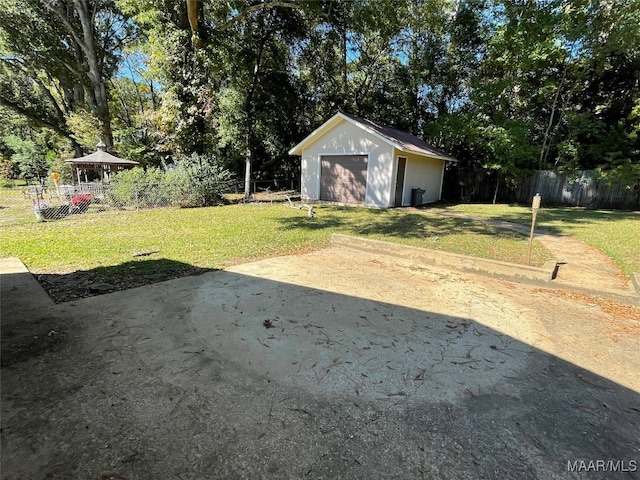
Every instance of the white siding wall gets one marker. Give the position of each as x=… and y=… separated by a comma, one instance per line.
x=425, y=173
x=348, y=139
x=310, y=174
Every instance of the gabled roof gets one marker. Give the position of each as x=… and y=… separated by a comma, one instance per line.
x=101, y=158
x=403, y=141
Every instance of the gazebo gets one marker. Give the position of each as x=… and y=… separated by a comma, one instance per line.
x=100, y=161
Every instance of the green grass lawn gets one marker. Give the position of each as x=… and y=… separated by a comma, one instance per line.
x=15, y=208
x=616, y=233
x=215, y=237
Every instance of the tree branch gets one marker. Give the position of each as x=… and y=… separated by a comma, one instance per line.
x=33, y=117
x=59, y=113
x=65, y=21
x=19, y=66
x=254, y=8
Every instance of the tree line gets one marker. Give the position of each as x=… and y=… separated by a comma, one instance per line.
x=505, y=86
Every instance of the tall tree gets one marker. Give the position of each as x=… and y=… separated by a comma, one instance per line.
x=598, y=129
x=253, y=111
x=67, y=50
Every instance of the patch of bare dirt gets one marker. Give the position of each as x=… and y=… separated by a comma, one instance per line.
x=72, y=286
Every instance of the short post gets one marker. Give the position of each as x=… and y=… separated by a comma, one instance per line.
x=535, y=205
x=56, y=181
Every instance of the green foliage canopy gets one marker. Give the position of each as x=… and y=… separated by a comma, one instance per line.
x=506, y=86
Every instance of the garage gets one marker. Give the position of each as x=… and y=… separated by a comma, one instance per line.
x=351, y=160
x=343, y=178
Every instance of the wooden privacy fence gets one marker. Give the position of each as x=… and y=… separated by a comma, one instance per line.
x=583, y=188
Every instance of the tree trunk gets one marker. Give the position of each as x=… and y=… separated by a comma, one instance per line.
x=545, y=140
x=345, y=78
x=495, y=193
x=77, y=148
x=95, y=90
x=415, y=93
x=247, y=171
x=194, y=14
x=249, y=121
x=99, y=92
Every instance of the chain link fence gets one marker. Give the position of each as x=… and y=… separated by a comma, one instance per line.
x=45, y=203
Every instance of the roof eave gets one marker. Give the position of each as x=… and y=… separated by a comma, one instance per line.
x=333, y=121
x=297, y=150
x=90, y=162
x=446, y=158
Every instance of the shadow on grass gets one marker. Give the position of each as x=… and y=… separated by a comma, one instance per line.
x=421, y=226
x=328, y=219
x=398, y=224
x=567, y=215
x=135, y=273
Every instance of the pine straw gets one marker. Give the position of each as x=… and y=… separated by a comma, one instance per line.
x=610, y=307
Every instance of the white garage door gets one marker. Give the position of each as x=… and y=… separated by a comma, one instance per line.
x=343, y=178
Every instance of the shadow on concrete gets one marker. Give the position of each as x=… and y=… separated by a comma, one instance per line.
x=100, y=280
x=183, y=380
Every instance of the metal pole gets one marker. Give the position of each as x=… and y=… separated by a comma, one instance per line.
x=534, y=210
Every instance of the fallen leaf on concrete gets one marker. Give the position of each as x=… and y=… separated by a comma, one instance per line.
x=618, y=310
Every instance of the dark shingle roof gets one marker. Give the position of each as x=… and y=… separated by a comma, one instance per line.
x=404, y=140
x=101, y=158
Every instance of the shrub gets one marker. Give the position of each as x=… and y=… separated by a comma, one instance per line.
x=140, y=188
x=6, y=182
x=194, y=181
x=201, y=180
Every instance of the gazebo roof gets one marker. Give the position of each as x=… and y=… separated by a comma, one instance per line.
x=100, y=158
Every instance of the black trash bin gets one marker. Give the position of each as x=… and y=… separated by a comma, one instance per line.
x=416, y=197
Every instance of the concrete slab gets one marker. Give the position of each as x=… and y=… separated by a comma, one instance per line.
x=373, y=368
x=544, y=276
x=580, y=267
x=635, y=280
x=19, y=290
x=460, y=263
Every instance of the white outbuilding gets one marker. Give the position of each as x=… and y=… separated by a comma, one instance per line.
x=352, y=160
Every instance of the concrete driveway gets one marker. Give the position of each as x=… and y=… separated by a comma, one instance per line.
x=371, y=368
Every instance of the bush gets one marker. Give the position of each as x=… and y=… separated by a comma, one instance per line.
x=6, y=182
x=200, y=180
x=81, y=201
x=140, y=188
x=195, y=181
